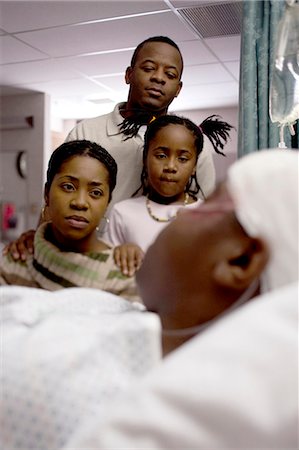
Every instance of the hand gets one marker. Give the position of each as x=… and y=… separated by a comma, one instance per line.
x=128, y=257
x=22, y=247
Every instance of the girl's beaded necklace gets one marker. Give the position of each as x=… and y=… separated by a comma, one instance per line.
x=159, y=219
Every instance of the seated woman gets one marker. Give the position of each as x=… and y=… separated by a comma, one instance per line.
x=81, y=177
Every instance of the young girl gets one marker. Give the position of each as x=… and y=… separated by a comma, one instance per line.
x=172, y=145
x=81, y=176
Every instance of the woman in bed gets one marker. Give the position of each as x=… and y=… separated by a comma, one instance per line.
x=81, y=176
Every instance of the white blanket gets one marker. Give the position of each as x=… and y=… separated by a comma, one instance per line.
x=67, y=355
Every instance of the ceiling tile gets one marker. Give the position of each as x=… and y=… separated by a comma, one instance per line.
x=226, y=48
x=13, y=50
x=107, y=63
x=234, y=68
x=75, y=40
x=206, y=73
x=65, y=88
x=115, y=82
x=196, y=52
x=32, y=15
x=36, y=71
x=211, y=90
x=206, y=96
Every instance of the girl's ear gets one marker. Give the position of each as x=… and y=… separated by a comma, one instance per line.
x=245, y=263
x=128, y=75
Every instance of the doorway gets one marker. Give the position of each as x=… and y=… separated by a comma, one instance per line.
x=14, y=201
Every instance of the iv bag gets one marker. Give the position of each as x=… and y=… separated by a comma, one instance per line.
x=284, y=89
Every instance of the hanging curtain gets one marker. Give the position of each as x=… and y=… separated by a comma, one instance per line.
x=259, y=32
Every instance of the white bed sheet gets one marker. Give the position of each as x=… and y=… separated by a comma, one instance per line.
x=67, y=355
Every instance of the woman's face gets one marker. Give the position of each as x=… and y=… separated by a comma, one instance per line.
x=176, y=279
x=171, y=160
x=77, y=200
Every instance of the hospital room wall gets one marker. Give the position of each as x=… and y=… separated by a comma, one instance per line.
x=23, y=193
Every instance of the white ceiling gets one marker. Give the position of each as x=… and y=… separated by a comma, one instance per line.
x=77, y=51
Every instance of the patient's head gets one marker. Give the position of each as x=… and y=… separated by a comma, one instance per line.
x=80, y=179
x=208, y=257
x=200, y=264
x=264, y=188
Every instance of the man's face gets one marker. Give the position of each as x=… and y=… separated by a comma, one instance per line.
x=176, y=277
x=155, y=78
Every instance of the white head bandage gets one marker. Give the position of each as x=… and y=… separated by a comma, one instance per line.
x=264, y=189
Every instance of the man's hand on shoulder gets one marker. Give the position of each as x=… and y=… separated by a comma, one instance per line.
x=22, y=247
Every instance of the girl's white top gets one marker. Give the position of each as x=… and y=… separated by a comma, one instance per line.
x=130, y=221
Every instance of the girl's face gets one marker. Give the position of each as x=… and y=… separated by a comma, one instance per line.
x=171, y=161
x=77, y=201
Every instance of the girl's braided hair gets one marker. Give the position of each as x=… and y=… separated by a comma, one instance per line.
x=216, y=130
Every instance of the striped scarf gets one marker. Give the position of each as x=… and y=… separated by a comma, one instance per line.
x=52, y=269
